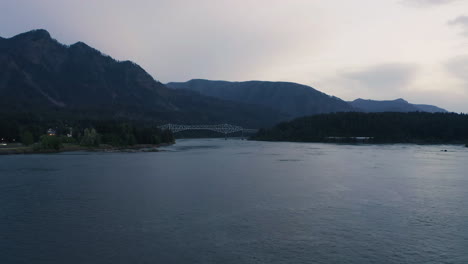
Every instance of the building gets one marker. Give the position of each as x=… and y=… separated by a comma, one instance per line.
x=51, y=132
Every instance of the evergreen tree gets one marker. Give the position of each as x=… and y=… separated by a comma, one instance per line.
x=167, y=136
x=50, y=142
x=90, y=138
x=387, y=127
x=27, y=138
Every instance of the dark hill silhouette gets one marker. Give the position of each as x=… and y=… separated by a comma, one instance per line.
x=398, y=105
x=42, y=76
x=290, y=98
x=294, y=99
x=38, y=74
x=389, y=127
x=430, y=108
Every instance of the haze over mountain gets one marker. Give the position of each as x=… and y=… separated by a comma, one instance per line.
x=40, y=75
x=398, y=105
x=290, y=98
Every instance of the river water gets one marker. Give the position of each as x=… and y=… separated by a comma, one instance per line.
x=234, y=201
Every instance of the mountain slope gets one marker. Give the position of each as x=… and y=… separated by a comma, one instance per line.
x=40, y=75
x=290, y=98
x=398, y=105
x=37, y=70
x=430, y=108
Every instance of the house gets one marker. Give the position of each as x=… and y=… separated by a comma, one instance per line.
x=51, y=132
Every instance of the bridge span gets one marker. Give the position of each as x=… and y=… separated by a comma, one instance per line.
x=221, y=128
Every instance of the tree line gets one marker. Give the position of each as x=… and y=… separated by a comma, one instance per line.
x=27, y=129
x=415, y=127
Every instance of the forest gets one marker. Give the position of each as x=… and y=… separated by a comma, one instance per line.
x=28, y=129
x=415, y=127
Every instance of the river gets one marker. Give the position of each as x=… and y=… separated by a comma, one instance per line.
x=235, y=201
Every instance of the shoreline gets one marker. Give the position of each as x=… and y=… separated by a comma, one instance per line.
x=73, y=148
x=369, y=142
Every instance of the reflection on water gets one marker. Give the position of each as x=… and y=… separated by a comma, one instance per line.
x=234, y=201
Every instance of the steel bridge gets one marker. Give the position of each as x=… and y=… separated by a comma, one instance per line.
x=221, y=128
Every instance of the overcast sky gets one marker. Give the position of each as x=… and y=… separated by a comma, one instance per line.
x=375, y=49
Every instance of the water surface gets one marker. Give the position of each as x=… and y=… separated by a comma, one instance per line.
x=217, y=201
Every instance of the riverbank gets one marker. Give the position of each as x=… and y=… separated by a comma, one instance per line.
x=18, y=149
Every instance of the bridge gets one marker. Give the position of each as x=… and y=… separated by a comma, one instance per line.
x=221, y=128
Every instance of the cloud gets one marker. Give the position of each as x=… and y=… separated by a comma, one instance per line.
x=384, y=77
x=426, y=3
x=176, y=40
x=329, y=44
x=458, y=67
x=461, y=21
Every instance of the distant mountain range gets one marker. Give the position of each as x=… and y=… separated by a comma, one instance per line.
x=39, y=75
x=398, y=105
x=292, y=99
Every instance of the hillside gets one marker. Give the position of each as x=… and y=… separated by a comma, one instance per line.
x=292, y=99
x=41, y=76
x=398, y=105
x=414, y=127
x=47, y=80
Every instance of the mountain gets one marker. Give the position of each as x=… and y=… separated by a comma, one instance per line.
x=430, y=108
x=292, y=99
x=398, y=105
x=42, y=76
x=37, y=70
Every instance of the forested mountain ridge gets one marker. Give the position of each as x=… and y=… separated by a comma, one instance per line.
x=47, y=80
x=42, y=76
x=398, y=105
x=292, y=99
x=430, y=108
x=38, y=70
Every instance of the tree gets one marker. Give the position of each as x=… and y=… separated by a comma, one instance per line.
x=90, y=138
x=384, y=127
x=157, y=140
x=127, y=135
x=167, y=136
x=27, y=138
x=50, y=142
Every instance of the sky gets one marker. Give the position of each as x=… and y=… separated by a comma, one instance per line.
x=371, y=49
